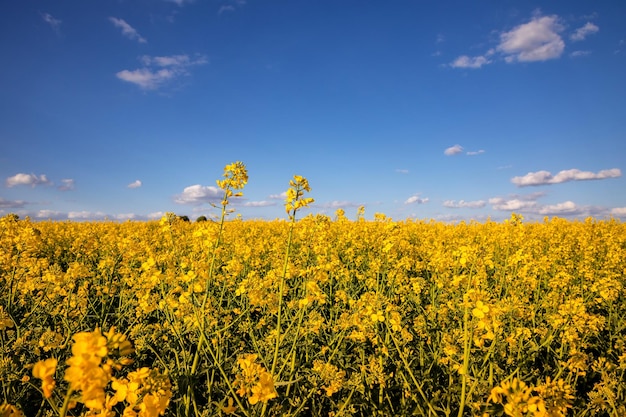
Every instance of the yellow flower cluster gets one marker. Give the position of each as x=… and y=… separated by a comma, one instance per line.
x=90, y=370
x=254, y=381
x=551, y=399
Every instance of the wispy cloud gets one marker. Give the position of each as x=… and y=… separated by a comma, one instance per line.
x=134, y=184
x=546, y=177
x=567, y=207
x=262, y=203
x=8, y=204
x=338, y=204
x=474, y=62
x=453, y=150
x=416, y=199
x=576, y=54
x=159, y=70
x=231, y=6
x=67, y=184
x=86, y=215
x=464, y=204
x=199, y=194
x=127, y=30
x=618, y=211
x=27, y=179
x=516, y=202
x=226, y=8
x=499, y=203
x=582, y=32
x=50, y=214
x=280, y=196
x=402, y=171
x=474, y=153
x=180, y=2
x=55, y=24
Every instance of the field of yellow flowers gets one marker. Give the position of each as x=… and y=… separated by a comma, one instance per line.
x=312, y=316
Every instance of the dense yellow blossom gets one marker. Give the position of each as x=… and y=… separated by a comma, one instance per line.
x=381, y=317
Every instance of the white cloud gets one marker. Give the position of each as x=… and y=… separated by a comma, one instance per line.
x=582, y=32
x=135, y=184
x=127, y=30
x=180, y=2
x=478, y=152
x=416, y=200
x=27, y=179
x=545, y=177
x=156, y=215
x=618, y=211
x=402, y=171
x=49, y=19
x=537, y=40
x=567, y=207
x=575, y=54
x=159, y=70
x=338, y=204
x=67, y=184
x=499, y=203
x=11, y=204
x=259, y=203
x=280, y=196
x=464, y=204
x=146, y=78
x=50, y=214
x=226, y=8
x=453, y=150
x=85, y=215
x=465, y=61
x=125, y=216
x=199, y=194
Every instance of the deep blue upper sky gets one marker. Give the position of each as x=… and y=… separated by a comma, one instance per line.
x=447, y=110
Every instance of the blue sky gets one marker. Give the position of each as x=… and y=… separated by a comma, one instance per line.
x=447, y=110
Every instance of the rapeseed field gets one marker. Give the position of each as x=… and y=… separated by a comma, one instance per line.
x=312, y=316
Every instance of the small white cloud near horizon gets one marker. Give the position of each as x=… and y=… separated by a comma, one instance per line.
x=262, y=203
x=416, y=199
x=618, y=211
x=453, y=150
x=199, y=194
x=11, y=204
x=134, y=184
x=499, y=203
x=582, y=32
x=50, y=214
x=280, y=196
x=545, y=177
x=567, y=207
x=464, y=204
x=159, y=70
x=27, y=179
x=85, y=215
x=67, y=184
x=127, y=30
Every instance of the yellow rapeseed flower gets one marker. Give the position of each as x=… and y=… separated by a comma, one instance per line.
x=45, y=370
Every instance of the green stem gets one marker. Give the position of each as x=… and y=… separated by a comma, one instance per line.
x=281, y=289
